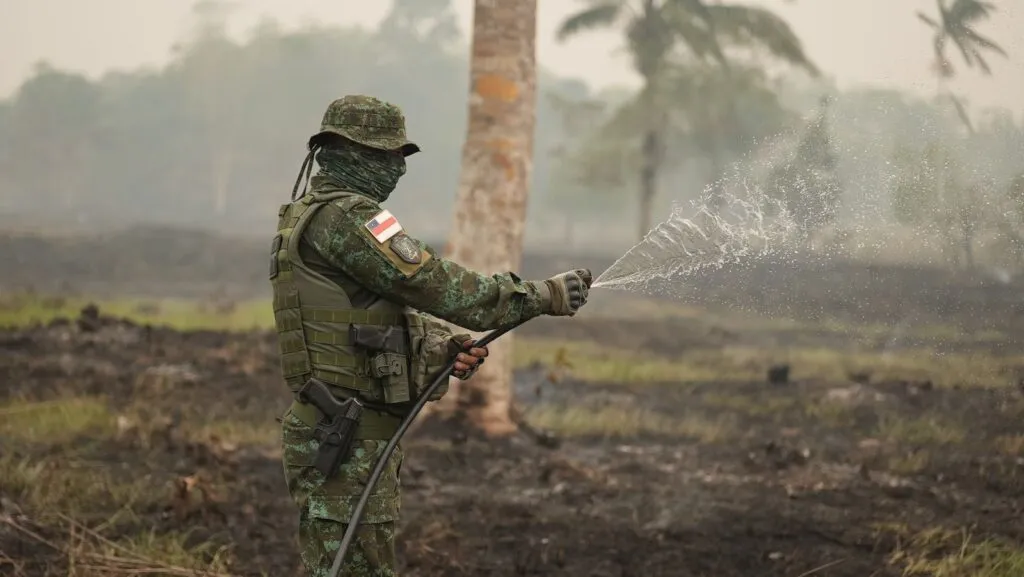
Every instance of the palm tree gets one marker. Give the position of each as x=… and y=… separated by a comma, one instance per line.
x=653, y=29
x=497, y=161
x=956, y=23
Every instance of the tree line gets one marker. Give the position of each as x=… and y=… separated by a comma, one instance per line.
x=214, y=138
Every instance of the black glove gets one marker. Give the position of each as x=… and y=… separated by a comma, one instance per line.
x=569, y=292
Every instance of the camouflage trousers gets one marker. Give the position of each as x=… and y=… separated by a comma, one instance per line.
x=325, y=506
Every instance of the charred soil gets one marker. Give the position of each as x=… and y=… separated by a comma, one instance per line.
x=739, y=478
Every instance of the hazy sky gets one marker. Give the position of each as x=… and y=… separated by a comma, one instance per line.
x=877, y=42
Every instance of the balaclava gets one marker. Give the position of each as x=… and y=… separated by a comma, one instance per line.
x=361, y=169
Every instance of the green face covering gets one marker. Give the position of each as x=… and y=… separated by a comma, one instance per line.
x=368, y=171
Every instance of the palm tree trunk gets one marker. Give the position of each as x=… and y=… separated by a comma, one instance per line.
x=648, y=180
x=497, y=161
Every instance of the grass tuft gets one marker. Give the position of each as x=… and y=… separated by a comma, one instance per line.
x=920, y=431
x=56, y=422
x=941, y=552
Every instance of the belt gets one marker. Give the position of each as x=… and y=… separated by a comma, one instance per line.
x=373, y=425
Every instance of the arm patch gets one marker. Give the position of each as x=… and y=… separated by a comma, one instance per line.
x=388, y=237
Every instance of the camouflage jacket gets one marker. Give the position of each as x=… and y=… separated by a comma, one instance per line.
x=434, y=285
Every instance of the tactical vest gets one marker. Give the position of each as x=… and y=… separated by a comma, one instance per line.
x=317, y=323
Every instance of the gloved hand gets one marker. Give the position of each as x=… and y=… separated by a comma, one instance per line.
x=569, y=292
x=467, y=357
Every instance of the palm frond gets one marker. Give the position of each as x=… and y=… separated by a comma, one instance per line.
x=979, y=59
x=747, y=25
x=983, y=42
x=943, y=66
x=961, y=44
x=928, y=20
x=597, y=16
x=694, y=23
x=967, y=11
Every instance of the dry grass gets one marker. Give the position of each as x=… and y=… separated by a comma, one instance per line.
x=618, y=422
x=941, y=552
x=1012, y=445
x=86, y=552
x=62, y=470
x=909, y=463
x=920, y=431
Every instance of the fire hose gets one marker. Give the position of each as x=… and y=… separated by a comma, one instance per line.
x=378, y=470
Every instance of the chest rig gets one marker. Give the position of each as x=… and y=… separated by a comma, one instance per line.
x=359, y=350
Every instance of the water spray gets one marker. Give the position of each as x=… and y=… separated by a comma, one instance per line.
x=710, y=235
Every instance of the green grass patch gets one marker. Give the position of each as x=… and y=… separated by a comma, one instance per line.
x=610, y=422
x=750, y=405
x=920, y=431
x=73, y=487
x=834, y=414
x=65, y=480
x=56, y=422
x=181, y=314
x=592, y=362
x=265, y=433
x=909, y=463
x=941, y=552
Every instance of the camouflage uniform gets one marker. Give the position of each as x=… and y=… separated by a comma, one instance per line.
x=340, y=260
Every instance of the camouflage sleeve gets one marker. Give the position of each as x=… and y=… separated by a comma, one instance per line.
x=408, y=271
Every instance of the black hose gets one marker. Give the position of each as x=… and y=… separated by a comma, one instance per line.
x=378, y=470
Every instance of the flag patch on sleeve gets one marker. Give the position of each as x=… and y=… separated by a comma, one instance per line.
x=383, y=226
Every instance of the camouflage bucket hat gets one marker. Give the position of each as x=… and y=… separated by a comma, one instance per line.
x=368, y=121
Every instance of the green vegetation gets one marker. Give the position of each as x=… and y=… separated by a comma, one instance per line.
x=180, y=314
x=595, y=363
x=745, y=364
x=62, y=465
x=692, y=103
x=624, y=422
x=926, y=430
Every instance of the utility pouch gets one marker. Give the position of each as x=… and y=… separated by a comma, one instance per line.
x=336, y=428
x=387, y=358
x=429, y=354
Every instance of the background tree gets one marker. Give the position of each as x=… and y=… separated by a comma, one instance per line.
x=653, y=29
x=934, y=193
x=497, y=160
x=808, y=183
x=51, y=127
x=956, y=20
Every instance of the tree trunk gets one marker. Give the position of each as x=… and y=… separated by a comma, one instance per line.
x=648, y=180
x=497, y=161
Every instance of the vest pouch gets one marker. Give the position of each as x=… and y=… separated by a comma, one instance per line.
x=387, y=358
x=429, y=353
x=389, y=370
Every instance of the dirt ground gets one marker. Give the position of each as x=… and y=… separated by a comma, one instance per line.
x=130, y=449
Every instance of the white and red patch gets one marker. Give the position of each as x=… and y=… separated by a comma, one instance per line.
x=383, y=226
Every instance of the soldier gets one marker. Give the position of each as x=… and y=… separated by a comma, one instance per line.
x=350, y=286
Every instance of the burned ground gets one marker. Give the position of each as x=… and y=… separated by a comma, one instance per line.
x=882, y=445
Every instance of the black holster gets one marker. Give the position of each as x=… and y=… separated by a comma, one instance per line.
x=336, y=428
